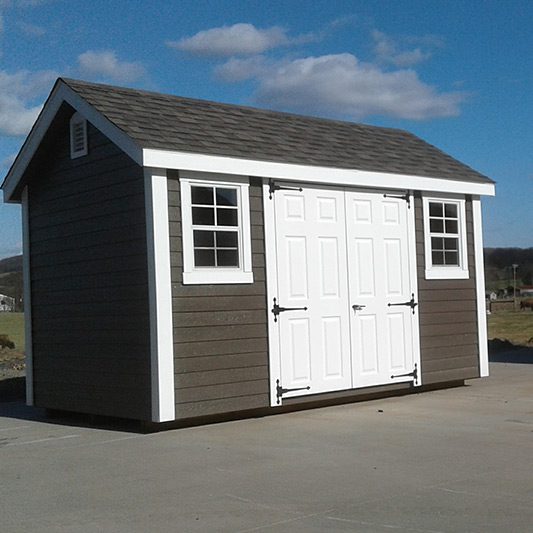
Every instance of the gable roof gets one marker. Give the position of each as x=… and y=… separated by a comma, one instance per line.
x=152, y=121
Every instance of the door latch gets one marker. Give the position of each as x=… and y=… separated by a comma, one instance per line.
x=358, y=307
x=413, y=374
x=280, y=391
x=273, y=187
x=411, y=303
x=276, y=309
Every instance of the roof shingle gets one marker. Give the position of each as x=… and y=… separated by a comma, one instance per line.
x=174, y=123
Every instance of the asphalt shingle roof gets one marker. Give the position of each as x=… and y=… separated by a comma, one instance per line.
x=167, y=122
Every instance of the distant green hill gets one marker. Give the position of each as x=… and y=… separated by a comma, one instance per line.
x=11, y=278
x=499, y=270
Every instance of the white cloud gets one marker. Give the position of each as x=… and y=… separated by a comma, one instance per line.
x=105, y=64
x=339, y=85
x=8, y=161
x=236, y=70
x=239, y=39
x=32, y=30
x=21, y=95
x=390, y=51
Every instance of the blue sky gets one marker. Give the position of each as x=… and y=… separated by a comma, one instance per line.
x=457, y=73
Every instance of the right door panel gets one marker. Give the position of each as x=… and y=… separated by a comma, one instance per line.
x=378, y=271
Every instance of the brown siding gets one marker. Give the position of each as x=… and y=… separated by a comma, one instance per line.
x=448, y=315
x=220, y=331
x=89, y=278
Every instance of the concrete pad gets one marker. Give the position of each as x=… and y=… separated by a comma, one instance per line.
x=446, y=461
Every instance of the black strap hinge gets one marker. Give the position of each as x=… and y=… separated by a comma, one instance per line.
x=280, y=391
x=273, y=187
x=276, y=309
x=406, y=197
x=413, y=374
x=411, y=303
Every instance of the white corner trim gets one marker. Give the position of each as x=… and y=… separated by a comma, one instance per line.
x=480, y=289
x=271, y=263
x=160, y=295
x=413, y=276
x=63, y=93
x=308, y=173
x=446, y=272
x=27, y=297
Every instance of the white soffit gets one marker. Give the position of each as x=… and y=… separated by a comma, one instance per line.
x=63, y=93
x=308, y=173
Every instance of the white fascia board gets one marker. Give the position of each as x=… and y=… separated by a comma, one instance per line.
x=480, y=289
x=308, y=173
x=160, y=294
x=63, y=93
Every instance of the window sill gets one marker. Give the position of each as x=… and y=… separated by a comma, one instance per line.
x=217, y=277
x=447, y=273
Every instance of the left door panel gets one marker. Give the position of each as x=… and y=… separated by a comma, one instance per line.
x=311, y=257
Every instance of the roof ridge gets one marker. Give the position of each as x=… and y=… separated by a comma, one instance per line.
x=308, y=118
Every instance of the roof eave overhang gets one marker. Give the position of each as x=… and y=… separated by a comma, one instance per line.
x=59, y=94
x=308, y=173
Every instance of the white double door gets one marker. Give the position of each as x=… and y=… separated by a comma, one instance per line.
x=343, y=262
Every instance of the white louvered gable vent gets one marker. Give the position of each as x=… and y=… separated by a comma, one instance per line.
x=78, y=136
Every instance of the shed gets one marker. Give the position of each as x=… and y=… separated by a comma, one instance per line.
x=186, y=258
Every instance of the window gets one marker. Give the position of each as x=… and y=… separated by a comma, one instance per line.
x=445, y=238
x=78, y=136
x=216, y=229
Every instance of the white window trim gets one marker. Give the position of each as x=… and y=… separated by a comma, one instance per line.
x=207, y=275
x=76, y=119
x=442, y=271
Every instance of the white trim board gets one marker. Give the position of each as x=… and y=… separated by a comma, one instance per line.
x=480, y=289
x=308, y=173
x=160, y=296
x=27, y=297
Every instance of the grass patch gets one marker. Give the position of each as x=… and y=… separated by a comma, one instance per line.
x=513, y=326
x=12, y=325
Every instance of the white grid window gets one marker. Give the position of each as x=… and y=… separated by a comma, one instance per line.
x=445, y=238
x=216, y=229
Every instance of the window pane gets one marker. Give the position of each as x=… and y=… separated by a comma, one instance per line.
x=204, y=239
x=437, y=243
x=226, y=239
x=450, y=210
x=204, y=216
x=227, y=217
x=451, y=244
x=228, y=258
x=435, y=210
x=451, y=226
x=202, y=195
x=451, y=258
x=227, y=197
x=204, y=258
x=437, y=258
x=436, y=225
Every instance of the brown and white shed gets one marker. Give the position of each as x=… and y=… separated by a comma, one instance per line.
x=186, y=258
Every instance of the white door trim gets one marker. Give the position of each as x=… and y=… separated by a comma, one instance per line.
x=272, y=290
x=413, y=274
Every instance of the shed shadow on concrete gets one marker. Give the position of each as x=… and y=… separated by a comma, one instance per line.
x=503, y=351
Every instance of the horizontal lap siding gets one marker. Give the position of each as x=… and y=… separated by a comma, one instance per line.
x=220, y=331
x=448, y=315
x=89, y=279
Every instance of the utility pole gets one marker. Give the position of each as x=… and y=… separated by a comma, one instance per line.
x=514, y=286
